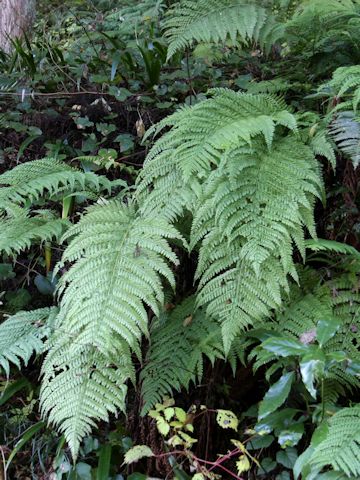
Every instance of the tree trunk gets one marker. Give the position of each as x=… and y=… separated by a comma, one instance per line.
x=16, y=17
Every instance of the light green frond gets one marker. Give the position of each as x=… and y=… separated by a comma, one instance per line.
x=119, y=261
x=179, y=342
x=20, y=232
x=23, y=335
x=345, y=131
x=217, y=21
x=81, y=386
x=199, y=138
x=341, y=447
x=246, y=235
x=30, y=180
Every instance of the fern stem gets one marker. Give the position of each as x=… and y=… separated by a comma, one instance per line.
x=322, y=400
x=48, y=255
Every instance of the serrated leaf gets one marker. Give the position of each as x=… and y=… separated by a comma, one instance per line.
x=163, y=426
x=136, y=453
x=243, y=464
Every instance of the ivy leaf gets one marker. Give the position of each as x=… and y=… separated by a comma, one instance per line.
x=227, y=419
x=136, y=453
x=276, y=395
x=326, y=329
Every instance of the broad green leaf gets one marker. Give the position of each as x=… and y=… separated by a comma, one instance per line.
x=276, y=421
x=260, y=441
x=83, y=471
x=162, y=426
x=227, y=419
x=276, y=395
x=284, y=347
x=267, y=466
x=136, y=453
x=12, y=388
x=103, y=470
x=326, y=329
x=287, y=457
x=312, y=368
x=291, y=436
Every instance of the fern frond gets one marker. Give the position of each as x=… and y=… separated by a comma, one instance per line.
x=216, y=21
x=247, y=235
x=322, y=245
x=20, y=232
x=179, y=343
x=119, y=261
x=29, y=181
x=341, y=447
x=345, y=130
x=81, y=386
x=23, y=335
x=199, y=137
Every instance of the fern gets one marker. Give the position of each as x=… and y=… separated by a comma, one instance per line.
x=20, y=232
x=118, y=262
x=321, y=245
x=23, y=335
x=345, y=83
x=216, y=21
x=199, y=137
x=179, y=343
x=80, y=386
x=31, y=180
x=221, y=158
x=299, y=316
x=345, y=130
x=341, y=447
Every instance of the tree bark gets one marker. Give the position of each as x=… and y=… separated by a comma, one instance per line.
x=16, y=17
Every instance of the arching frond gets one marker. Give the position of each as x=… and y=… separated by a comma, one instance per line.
x=217, y=21
x=341, y=447
x=179, y=342
x=119, y=261
x=23, y=335
x=21, y=231
x=81, y=386
x=29, y=181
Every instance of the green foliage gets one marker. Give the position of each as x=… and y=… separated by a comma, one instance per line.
x=20, y=231
x=23, y=335
x=31, y=180
x=221, y=215
x=103, y=310
x=218, y=21
x=180, y=341
x=340, y=447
